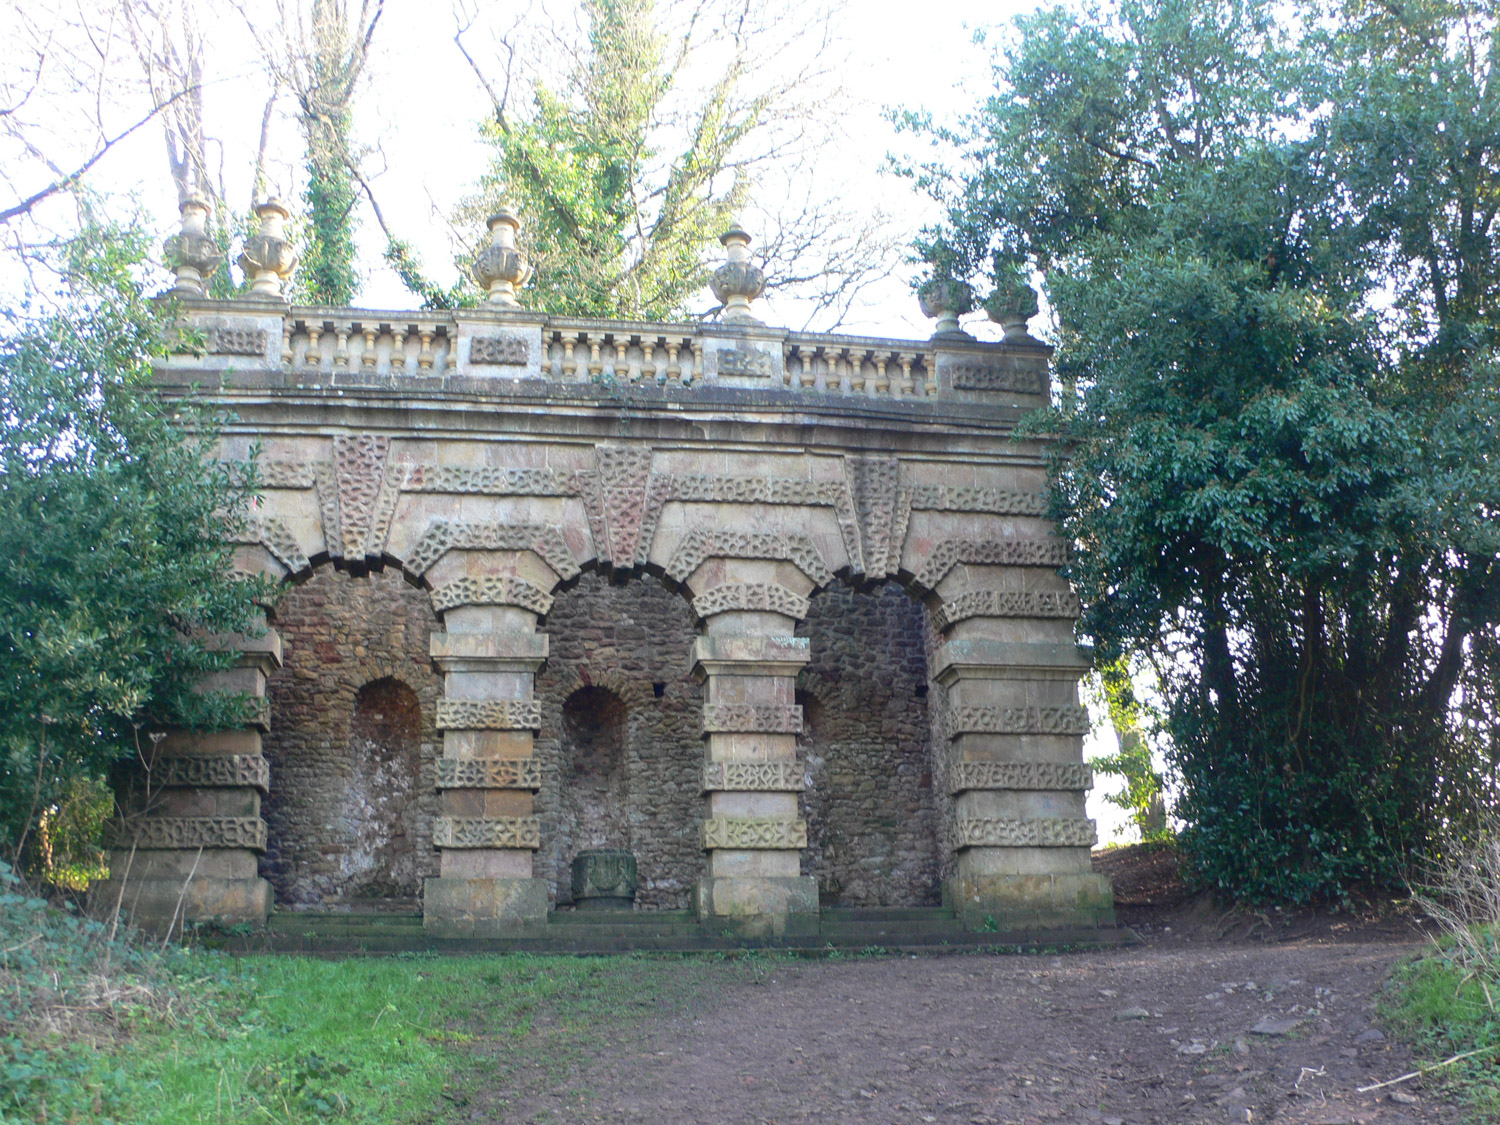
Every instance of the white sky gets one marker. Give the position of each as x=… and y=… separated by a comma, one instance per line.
x=423, y=105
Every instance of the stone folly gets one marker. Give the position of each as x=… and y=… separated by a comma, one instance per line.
x=778, y=615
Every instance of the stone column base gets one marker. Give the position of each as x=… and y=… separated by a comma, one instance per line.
x=157, y=903
x=758, y=906
x=1027, y=902
x=478, y=907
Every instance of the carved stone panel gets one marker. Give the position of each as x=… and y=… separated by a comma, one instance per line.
x=1021, y=832
x=1019, y=775
x=745, y=362
x=499, y=351
x=487, y=832
x=754, y=833
x=986, y=377
x=751, y=718
x=489, y=714
x=444, y=535
x=360, y=464
x=698, y=546
x=489, y=773
x=754, y=777
x=1005, y=603
x=219, y=771
x=237, y=341
x=191, y=832
x=750, y=596
x=992, y=552
x=1019, y=720
x=624, y=472
x=491, y=590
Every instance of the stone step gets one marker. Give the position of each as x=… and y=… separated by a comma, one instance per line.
x=887, y=913
x=672, y=939
x=594, y=918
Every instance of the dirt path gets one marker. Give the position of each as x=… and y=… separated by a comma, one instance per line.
x=1214, y=1018
x=981, y=1039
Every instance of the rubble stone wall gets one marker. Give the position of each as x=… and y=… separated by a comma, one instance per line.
x=352, y=742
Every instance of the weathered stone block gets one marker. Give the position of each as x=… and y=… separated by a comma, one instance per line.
x=474, y=907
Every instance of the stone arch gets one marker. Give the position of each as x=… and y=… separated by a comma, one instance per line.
x=593, y=805
x=874, y=815
x=632, y=638
x=341, y=633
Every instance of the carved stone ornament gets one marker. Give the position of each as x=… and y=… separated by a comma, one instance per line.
x=744, y=361
x=989, y=377
x=754, y=834
x=1019, y=720
x=945, y=300
x=501, y=267
x=604, y=879
x=268, y=257
x=1035, y=776
x=216, y=771
x=192, y=254
x=499, y=351
x=184, y=832
x=489, y=773
x=237, y=341
x=1005, y=603
x=489, y=714
x=753, y=777
x=739, y=280
x=751, y=596
x=1011, y=305
x=1021, y=832
x=750, y=718
x=487, y=832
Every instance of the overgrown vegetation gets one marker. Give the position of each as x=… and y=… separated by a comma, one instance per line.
x=1266, y=233
x=115, y=1028
x=116, y=525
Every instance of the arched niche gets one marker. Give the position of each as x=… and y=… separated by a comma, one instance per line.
x=352, y=742
x=594, y=807
x=872, y=811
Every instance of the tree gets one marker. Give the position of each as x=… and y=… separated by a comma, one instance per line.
x=626, y=172
x=115, y=529
x=319, y=55
x=1266, y=238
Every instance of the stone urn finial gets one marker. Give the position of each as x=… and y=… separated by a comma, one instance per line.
x=739, y=280
x=190, y=253
x=269, y=257
x=501, y=267
x=1011, y=305
x=945, y=300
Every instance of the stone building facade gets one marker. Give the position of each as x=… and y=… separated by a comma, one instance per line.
x=777, y=613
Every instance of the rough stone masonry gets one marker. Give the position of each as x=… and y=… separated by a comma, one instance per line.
x=777, y=613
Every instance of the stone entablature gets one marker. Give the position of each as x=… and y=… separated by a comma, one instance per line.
x=494, y=456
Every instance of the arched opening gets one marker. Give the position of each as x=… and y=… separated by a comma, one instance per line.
x=595, y=810
x=377, y=804
x=630, y=641
x=352, y=743
x=872, y=817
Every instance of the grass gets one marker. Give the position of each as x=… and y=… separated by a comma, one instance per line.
x=109, y=1029
x=1444, y=1011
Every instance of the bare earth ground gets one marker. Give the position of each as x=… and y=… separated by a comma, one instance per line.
x=1162, y=1032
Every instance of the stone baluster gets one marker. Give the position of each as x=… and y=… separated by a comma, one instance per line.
x=368, y=356
x=749, y=660
x=569, y=360
x=399, y=332
x=187, y=845
x=486, y=830
x=1019, y=834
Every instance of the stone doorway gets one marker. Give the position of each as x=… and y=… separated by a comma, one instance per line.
x=594, y=810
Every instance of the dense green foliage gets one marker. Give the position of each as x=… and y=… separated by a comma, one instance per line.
x=611, y=229
x=1267, y=240
x=114, y=529
x=1142, y=795
x=1444, y=1011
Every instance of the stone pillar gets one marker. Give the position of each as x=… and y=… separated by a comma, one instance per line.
x=486, y=829
x=187, y=844
x=1020, y=838
x=753, y=834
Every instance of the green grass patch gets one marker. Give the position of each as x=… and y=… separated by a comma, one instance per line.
x=1444, y=1012
x=389, y=1041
